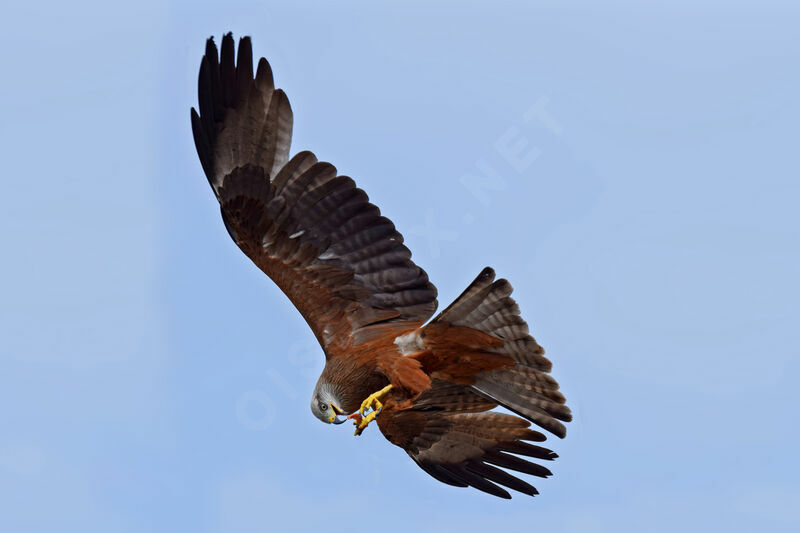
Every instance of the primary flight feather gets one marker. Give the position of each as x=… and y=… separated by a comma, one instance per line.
x=430, y=385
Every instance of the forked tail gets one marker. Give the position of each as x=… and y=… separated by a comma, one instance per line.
x=525, y=387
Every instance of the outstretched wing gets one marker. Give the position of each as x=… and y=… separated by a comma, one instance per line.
x=466, y=445
x=341, y=263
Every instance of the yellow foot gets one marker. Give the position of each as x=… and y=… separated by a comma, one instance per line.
x=360, y=418
x=373, y=401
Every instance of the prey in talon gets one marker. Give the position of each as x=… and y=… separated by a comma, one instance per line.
x=360, y=418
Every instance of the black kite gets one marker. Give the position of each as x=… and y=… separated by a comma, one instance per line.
x=431, y=385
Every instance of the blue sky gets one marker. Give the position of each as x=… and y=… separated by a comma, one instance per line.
x=631, y=169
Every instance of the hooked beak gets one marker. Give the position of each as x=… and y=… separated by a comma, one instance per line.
x=334, y=418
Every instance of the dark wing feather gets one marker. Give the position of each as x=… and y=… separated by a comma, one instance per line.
x=453, y=398
x=469, y=448
x=341, y=263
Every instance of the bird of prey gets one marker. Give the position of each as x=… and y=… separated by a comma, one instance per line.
x=431, y=385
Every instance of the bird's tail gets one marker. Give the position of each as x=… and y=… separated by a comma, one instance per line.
x=525, y=387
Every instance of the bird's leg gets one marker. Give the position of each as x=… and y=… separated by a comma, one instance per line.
x=373, y=401
x=360, y=418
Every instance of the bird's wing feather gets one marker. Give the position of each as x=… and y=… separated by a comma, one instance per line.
x=341, y=263
x=467, y=448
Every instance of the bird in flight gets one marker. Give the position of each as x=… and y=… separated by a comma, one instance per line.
x=430, y=385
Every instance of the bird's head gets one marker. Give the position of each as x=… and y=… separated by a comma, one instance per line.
x=325, y=405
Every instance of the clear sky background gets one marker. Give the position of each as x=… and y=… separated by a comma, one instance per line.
x=631, y=169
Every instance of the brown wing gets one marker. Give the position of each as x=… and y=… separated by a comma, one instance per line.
x=467, y=446
x=341, y=263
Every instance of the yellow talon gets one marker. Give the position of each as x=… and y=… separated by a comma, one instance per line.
x=365, y=422
x=362, y=419
x=373, y=400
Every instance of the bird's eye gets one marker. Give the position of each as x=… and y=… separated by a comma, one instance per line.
x=323, y=406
